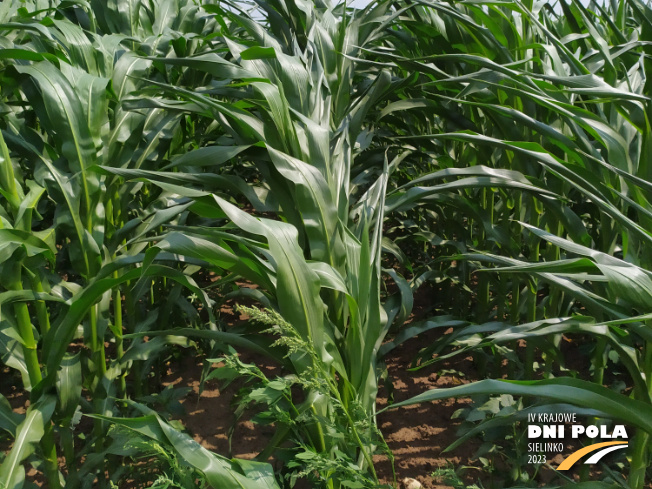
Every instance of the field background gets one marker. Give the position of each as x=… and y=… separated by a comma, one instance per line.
x=291, y=243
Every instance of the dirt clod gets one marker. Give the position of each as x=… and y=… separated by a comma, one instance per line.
x=409, y=483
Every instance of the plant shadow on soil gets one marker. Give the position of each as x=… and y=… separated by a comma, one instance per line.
x=416, y=434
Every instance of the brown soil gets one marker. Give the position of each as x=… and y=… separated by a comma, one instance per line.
x=417, y=435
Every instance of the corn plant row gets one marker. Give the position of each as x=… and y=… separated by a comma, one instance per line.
x=312, y=157
x=562, y=101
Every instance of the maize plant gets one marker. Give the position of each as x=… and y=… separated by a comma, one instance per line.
x=323, y=162
x=71, y=236
x=563, y=102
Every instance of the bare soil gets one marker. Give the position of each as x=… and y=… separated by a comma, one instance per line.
x=417, y=435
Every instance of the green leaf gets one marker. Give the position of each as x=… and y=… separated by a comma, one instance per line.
x=572, y=391
x=69, y=385
x=9, y=420
x=219, y=471
x=28, y=434
x=258, y=52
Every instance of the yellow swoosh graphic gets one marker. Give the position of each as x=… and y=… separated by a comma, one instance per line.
x=575, y=456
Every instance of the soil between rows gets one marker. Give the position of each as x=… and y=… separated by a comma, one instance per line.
x=417, y=434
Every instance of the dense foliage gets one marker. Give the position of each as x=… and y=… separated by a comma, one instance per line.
x=327, y=164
